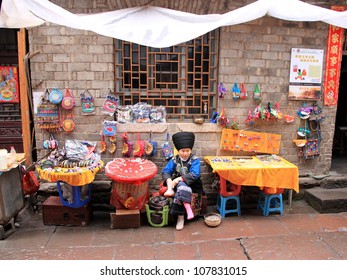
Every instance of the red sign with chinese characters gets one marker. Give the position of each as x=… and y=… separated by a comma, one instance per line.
x=333, y=62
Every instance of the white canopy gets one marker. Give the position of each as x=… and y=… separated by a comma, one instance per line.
x=159, y=27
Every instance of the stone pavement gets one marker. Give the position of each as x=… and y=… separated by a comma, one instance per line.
x=300, y=233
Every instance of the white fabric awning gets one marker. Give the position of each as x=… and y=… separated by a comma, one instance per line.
x=159, y=27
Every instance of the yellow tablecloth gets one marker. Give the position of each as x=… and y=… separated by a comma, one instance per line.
x=265, y=171
x=84, y=176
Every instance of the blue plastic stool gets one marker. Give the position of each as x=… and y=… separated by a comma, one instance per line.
x=270, y=203
x=77, y=201
x=222, y=205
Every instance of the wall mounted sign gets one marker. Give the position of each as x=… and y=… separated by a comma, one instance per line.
x=305, y=81
x=333, y=62
x=9, y=84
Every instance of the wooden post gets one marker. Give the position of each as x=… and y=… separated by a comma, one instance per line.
x=24, y=103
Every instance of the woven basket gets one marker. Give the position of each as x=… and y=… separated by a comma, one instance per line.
x=129, y=196
x=213, y=219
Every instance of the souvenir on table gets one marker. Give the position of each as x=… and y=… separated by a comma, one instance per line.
x=151, y=146
x=55, y=96
x=111, y=103
x=139, y=147
x=236, y=92
x=249, y=141
x=9, y=84
x=48, y=115
x=87, y=103
x=68, y=101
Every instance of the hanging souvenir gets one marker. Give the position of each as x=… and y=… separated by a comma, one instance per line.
x=127, y=145
x=48, y=116
x=289, y=115
x=236, y=92
x=312, y=147
x=139, y=147
x=68, y=101
x=111, y=103
x=256, y=94
x=102, y=143
x=166, y=148
x=55, y=96
x=221, y=90
x=223, y=120
x=109, y=128
x=113, y=146
x=243, y=91
x=51, y=143
x=87, y=103
x=250, y=117
x=151, y=146
x=68, y=124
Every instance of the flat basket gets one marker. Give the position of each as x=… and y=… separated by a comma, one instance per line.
x=212, y=219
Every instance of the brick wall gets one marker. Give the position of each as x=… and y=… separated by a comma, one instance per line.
x=254, y=52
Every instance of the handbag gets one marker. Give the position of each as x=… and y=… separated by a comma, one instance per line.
x=111, y=103
x=236, y=92
x=87, y=103
x=256, y=94
x=30, y=183
x=48, y=115
x=55, y=96
x=68, y=101
x=151, y=146
x=127, y=145
x=110, y=128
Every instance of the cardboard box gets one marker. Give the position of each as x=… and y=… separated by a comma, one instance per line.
x=124, y=218
x=55, y=213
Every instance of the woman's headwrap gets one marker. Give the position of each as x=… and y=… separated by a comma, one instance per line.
x=183, y=140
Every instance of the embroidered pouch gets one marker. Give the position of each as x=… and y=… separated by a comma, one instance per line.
x=87, y=103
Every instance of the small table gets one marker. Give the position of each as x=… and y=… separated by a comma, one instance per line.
x=76, y=178
x=261, y=171
x=130, y=178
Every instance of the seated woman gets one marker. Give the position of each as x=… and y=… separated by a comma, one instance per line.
x=181, y=175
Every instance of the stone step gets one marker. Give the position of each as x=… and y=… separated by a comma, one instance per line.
x=324, y=200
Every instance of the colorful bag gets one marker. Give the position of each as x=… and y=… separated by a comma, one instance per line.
x=256, y=94
x=68, y=101
x=111, y=103
x=87, y=103
x=47, y=116
x=55, y=96
x=127, y=145
x=236, y=92
x=151, y=147
x=30, y=183
x=166, y=148
x=139, y=147
x=243, y=92
x=110, y=128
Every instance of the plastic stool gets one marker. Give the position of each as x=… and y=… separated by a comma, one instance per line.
x=222, y=205
x=77, y=201
x=164, y=216
x=270, y=203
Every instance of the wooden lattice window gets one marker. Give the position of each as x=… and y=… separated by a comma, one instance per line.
x=182, y=78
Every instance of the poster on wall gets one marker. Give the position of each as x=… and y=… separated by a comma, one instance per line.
x=9, y=84
x=305, y=80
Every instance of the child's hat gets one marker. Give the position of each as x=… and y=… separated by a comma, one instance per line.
x=183, y=140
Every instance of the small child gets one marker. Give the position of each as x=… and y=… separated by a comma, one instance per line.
x=181, y=175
